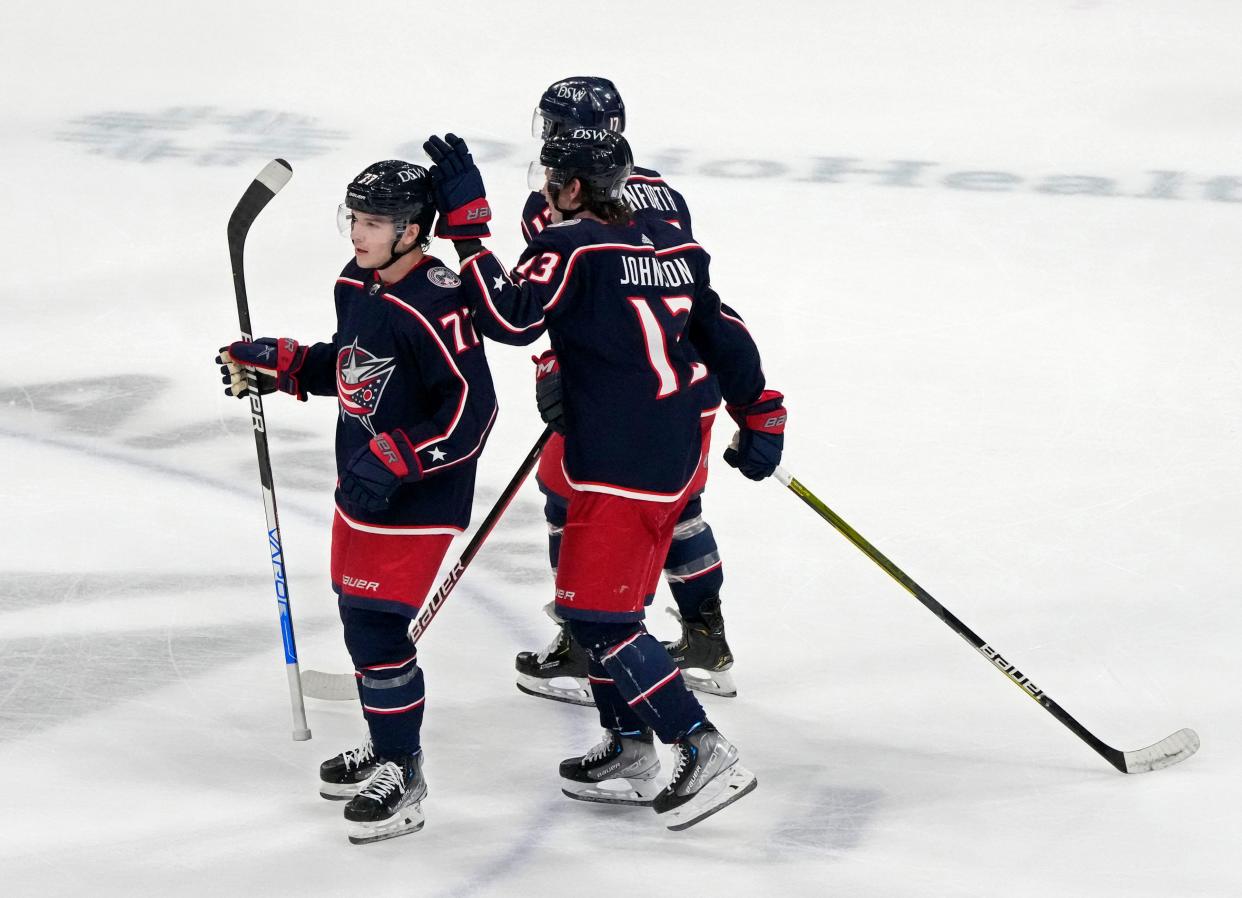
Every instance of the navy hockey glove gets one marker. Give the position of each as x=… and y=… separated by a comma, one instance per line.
x=458, y=186
x=756, y=449
x=548, y=394
x=236, y=383
x=378, y=468
x=280, y=361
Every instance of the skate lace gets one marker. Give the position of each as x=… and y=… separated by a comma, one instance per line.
x=388, y=778
x=600, y=750
x=683, y=758
x=359, y=756
x=552, y=647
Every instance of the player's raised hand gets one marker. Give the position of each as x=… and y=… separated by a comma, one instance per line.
x=760, y=439
x=460, y=196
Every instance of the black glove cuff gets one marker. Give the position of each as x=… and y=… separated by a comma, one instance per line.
x=467, y=248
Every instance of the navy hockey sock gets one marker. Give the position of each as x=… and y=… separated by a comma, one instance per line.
x=614, y=713
x=643, y=675
x=693, y=568
x=390, y=682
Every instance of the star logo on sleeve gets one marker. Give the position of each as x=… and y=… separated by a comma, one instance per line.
x=498, y=282
x=438, y=454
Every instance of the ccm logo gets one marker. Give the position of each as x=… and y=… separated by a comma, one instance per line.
x=363, y=585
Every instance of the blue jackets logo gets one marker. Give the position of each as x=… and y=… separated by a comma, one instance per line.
x=360, y=381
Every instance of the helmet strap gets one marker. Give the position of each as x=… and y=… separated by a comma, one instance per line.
x=393, y=255
x=568, y=213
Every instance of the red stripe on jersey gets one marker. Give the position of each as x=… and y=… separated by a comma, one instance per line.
x=448, y=357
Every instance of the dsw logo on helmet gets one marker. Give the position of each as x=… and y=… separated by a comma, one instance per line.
x=588, y=134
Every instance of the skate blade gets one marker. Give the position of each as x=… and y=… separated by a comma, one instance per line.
x=338, y=791
x=640, y=792
x=724, y=789
x=579, y=695
x=712, y=682
x=407, y=820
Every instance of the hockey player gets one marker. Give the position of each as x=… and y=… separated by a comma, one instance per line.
x=416, y=404
x=620, y=299
x=693, y=568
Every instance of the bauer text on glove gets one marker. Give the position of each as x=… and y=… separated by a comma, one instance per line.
x=378, y=469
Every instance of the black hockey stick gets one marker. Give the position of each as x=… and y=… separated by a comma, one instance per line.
x=275, y=175
x=1168, y=751
x=342, y=687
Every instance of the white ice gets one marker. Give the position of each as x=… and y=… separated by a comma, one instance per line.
x=1022, y=386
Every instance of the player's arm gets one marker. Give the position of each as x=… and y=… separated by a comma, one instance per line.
x=721, y=338
x=723, y=341
x=507, y=308
x=513, y=307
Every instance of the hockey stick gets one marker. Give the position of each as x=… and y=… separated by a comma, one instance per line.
x=275, y=175
x=342, y=687
x=1168, y=751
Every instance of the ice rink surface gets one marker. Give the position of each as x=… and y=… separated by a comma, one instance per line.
x=989, y=251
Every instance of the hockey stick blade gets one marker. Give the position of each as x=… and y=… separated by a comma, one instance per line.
x=267, y=184
x=1165, y=753
x=329, y=687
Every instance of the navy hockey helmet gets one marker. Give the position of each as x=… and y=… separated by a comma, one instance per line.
x=600, y=158
x=400, y=190
x=584, y=100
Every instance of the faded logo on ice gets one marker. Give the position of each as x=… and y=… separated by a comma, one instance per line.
x=360, y=381
x=202, y=135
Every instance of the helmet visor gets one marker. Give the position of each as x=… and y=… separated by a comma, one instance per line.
x=541, y=126
x=344, y=219
x=537, y=176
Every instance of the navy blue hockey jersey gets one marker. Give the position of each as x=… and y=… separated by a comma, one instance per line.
x=646, y=191
x=405, y=356
x=652, y=199
x=620, y=305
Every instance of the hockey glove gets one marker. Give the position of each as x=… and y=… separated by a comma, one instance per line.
x=548, y=394
x=756, y=449
x=235, y=380
x=378, y=468
x=279, y=361
x=460, y=197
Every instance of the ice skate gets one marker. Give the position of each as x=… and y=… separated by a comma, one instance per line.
x=559, y=672
x=702, y=653
x=388, y=804
x=620, y=770
x=341, y=777
x=707, y=778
